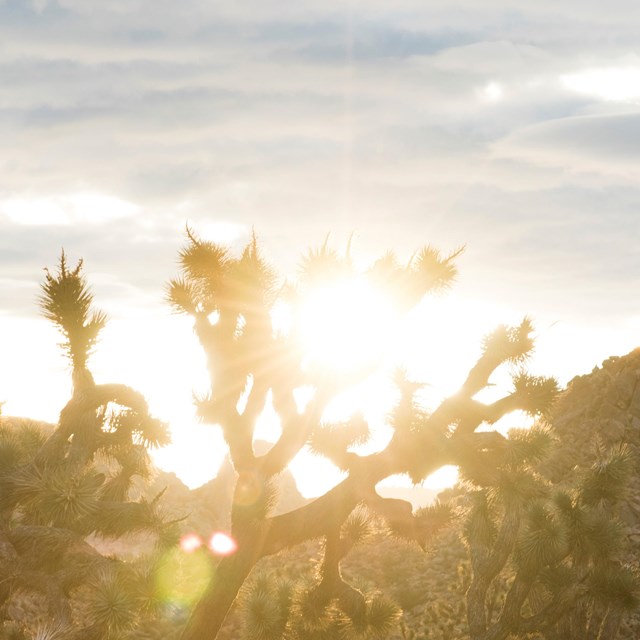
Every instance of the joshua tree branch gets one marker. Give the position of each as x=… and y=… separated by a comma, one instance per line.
x=486, y=564
x=558, y=607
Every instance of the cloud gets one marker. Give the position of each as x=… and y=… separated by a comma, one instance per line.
x=302, y=119
x=615, y=83
x=608, y=145
x=76, y=208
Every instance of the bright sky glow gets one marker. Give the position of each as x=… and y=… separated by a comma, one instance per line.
x=168, y=372
x=443, y=331
x=345, y=325
x=615, y=84
x=446, y=476
x=437, y=343
x=222, y=232
x=492, y=92
x=77, y=208
x=314, y=474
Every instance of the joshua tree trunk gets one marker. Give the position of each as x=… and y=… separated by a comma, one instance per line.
x=267, y=537
x=211, y=610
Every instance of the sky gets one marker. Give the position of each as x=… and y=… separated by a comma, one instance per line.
x=510, y=128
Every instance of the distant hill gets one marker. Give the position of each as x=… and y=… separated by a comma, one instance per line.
x=418, y=496
x=207, y=508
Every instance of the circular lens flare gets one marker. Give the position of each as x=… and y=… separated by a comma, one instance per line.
x=182, y=577
x=190, y=542
x=222, y=544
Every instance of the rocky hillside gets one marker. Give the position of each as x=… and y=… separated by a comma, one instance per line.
x=600, y=409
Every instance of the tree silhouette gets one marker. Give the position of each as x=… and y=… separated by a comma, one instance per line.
x=547, y=559
x=57, y=487
x=230, y=299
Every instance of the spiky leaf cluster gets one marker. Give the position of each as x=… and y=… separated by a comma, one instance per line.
x=357, y=528
x=480, y=524
x=607, y=479
x=528, y=446
x=266, y=609
x=542, y=542
x=213, y=281
x=126, y=426
x=110, y=605
x=279, y=610
x=323, y=265
x=428, y=271
x=510, y=344
x=432, y=520
x=66, y=300
x=19, y=445
x=559, y=546
x=617, y=586
x=536, y=393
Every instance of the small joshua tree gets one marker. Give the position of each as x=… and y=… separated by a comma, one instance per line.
x=58, y=487
x=300, y=606
x=547, y=559
x=231, y=300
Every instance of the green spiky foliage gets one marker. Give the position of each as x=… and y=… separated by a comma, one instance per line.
x=59, y=486
x=66, y=301
x=251, y=363
x=320, y=606
x=551, y=555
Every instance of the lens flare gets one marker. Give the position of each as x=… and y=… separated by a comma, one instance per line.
x=222, y=544
x=248, y=489
x=190, y=542
x=181, y=577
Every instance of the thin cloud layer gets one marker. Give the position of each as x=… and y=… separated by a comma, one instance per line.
x=608, y=145
x=403, y=122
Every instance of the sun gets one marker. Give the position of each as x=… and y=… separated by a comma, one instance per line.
x=345, y=325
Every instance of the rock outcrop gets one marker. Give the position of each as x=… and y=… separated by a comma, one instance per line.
x=601, y=409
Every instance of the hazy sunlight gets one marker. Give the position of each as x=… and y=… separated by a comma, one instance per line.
x=345, y=325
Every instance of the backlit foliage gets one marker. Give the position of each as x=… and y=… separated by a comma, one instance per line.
x=233, y=300
x=542, y=560
x=59, y=485
x=545, y=559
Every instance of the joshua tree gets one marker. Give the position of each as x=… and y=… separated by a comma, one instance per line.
x=547, y=559
x=57, y=487
x=231, y=299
